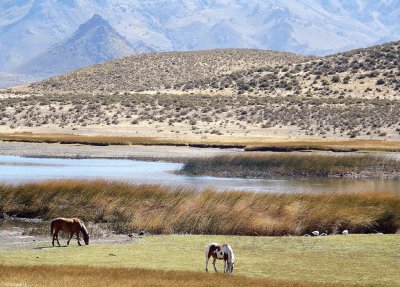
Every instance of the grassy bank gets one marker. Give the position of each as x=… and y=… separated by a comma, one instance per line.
x=246, y=142
x=162, y=210
x=353, y=259
x=294, y=165
x=86, y=140
x=326, y=145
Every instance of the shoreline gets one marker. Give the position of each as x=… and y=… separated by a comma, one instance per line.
x=134, y=152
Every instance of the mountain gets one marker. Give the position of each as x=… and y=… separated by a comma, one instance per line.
x=162, y=70
x=94, y=42
x=364, y=73
x=320, y=27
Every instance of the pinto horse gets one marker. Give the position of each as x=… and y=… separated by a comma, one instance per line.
x=71, y=225
x=221, y=252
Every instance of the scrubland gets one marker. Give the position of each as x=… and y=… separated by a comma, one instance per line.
x=221, y=93
x=363, y=73
x=203, y=117
x=154, y=71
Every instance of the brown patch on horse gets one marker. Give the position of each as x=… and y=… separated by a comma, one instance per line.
x=214, y=251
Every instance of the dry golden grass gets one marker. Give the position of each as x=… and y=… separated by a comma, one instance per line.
x=248, y=143
x=46, y=275
x=328, y=145
x=80, y=139
x=162, y=210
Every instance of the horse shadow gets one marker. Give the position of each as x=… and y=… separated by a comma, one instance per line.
x=47, y=247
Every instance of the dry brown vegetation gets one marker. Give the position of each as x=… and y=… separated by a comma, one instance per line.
x=251, y=144
x=294, y=165
x=46, y=275
x=205, y=115
x=225, y=93
x=365, y=73
x=156, y=71
x=160, y=210
x=325, y=145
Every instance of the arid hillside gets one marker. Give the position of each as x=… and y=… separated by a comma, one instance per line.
x=219, y=93
x=160, y=71
x=367, y=73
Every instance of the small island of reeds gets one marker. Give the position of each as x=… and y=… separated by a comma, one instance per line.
x=300, y=165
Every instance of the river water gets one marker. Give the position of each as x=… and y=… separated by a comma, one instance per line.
x=14, y=170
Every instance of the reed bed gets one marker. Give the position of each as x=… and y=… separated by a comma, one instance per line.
x=326, y=145
x=47, y=275
x=80, y=139
x=268, y=165
x=249, y=144
x=168, y=210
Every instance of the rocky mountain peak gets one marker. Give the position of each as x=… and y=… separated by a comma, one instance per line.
x=94, y=42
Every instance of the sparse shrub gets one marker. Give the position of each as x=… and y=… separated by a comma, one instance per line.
x=380, y=82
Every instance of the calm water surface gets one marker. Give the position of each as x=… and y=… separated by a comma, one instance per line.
x=15, y=169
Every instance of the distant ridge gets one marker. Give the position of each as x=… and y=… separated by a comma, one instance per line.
x=94, y=42
x=367, y=73
x=158, y=71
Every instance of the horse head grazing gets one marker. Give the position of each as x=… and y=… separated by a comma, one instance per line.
x=84, y=232
x=231, y=258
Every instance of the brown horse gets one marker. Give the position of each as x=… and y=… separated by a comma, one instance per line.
x=71, y=225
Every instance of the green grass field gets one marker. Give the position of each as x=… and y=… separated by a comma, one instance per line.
x=369, y=260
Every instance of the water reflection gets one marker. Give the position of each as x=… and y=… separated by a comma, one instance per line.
x=19, y=169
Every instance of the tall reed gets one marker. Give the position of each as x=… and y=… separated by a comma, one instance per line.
x=265, y=165
x=166, y=210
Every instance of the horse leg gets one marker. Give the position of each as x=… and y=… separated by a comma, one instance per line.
x=77, y=237
x=225, y=266
x=215, y=267
x=70, y=236
x=56, y=236
x=207, y=259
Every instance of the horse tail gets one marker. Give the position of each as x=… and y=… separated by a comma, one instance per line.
x=52, y=227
